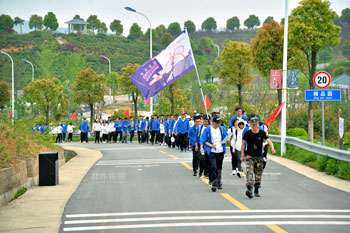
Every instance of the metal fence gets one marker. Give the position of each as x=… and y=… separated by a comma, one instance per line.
x=342, y=155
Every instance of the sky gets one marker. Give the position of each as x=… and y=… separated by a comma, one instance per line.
x=158, y=11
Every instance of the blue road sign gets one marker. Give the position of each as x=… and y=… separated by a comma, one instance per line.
x=323, y=95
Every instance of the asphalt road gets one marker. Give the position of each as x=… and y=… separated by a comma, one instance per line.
x=140, y=188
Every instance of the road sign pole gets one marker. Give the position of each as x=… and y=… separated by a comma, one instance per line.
x=322, y=122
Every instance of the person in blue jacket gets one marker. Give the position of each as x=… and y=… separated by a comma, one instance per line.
x=125, y=125
x=171, y=131
x=212, y=141
x=85, y=130
x=166, y=129
x=64, y=130
x=192, y=135
x=132, y=128
x=181, y=130
x=139, y=128
x=118, y=129
x=204, y=165
x=155, y=128
x=239, y=115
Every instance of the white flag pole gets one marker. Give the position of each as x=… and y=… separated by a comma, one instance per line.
x=199, y=81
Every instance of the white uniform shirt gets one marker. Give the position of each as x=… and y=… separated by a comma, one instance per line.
x=104, y=129
x=97, y=126
x=70, y=128
x=216, y=139
x=111, y=127
x=162, y=128
x=59, y=129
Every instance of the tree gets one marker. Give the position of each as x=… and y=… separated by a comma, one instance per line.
x=174, y=29
x=205, y=44
x=6, y=22
x=20, y=22
x=325, y=55
x=94, y=23
x=167, y=38
x=36, y=22
x=308, y=24
x=252, y=21
x=77, y=27
x=116, y=27
x=46, y=94
x=233, y=23
x=209, y=24
x=50, y=21
x=210, y=89
x=267, y=50
x=127, y=86
x=154, y=35
x=102, y=28
x=88, y=89
x=46, y=61
x=208, y=73
x=346, y=49
x=236, y=59
x=170, y=93
x=190, y=26
x=268, y=20
x=160, y=30
x=4, y=94
x=113, y=83
x=282, y=21
x=135, y=32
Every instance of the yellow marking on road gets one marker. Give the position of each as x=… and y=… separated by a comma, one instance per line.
x=240, y=206
x=205, y=180
x=172, y=156
x=187, y=166
x=162, y=151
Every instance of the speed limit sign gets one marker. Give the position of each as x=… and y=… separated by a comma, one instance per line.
x=322, y=79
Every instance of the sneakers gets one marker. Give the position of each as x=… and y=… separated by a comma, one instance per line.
x=249, y=192
x=220, y=186
x=234, y=172
x=194, y=173
x=256, y=192
x=213, y=188
x=239, y=174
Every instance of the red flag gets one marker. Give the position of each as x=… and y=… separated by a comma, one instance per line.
x=74, y=116
x=127, y=113
x=274, y=115
x=206, y=103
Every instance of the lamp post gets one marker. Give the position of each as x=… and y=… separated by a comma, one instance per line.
x=150, y=43
x=109, y=69
x=25, y=60
x=217, y=46
x=13, y=88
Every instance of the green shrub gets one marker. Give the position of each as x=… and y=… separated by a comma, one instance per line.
x=346, y=141
x=296, y=132
x=321, y=163
x=331, y=167
x=343, y=170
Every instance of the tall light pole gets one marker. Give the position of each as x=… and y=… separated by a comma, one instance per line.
x=150, y=42
x=13, y=87
x=109, y=69
x=25, y=60
x=217, y=46
x=284, y=82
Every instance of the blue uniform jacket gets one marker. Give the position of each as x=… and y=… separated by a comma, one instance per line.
x=192, y=135
x=166, y=126
x=138, y=125
x=234, y=117
x=171, y=126
x=42, y=129
x=118, y=126
x=132, y=128
x=125, y=125
x=182, y=126
x=143, y=125
x=64, y=128
x=155, y=126
x=85, y=127
x=206, y=137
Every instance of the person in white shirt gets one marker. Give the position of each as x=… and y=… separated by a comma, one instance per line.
x=70, y=131
x=111, y=132
x=97, y=129
x=59, y=133
x=104, y=130
x=162, y=132
x=236, y=143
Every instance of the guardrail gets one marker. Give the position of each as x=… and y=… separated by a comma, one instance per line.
x=342, y=155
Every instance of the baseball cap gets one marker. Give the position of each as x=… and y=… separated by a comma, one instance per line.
x=254, y=120
x=217, y=120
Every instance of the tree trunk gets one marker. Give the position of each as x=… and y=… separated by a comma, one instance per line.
x=279, y=94
x=240, y=95
x=171, y=99
x=47, y=114
x=311, y=109
x=135, y=104
x=91, y=114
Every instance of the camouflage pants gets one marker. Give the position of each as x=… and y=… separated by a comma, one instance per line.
x=254, y=166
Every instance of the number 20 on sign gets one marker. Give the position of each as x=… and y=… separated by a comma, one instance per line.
x=322, y=79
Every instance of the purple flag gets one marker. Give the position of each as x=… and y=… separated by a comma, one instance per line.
x=171, y=64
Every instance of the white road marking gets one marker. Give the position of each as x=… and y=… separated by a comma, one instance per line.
x=205, y=217
x=208, y=212
x=126, y=148
x=192, y=224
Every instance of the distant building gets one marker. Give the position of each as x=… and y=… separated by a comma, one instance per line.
x=342, y=82
x=82, y=23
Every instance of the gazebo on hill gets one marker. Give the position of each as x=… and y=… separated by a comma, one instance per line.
x=80, y=22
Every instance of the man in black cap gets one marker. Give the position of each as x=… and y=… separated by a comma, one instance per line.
x=253, y=155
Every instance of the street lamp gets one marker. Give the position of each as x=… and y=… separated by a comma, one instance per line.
x=217, y=46
x=150, y=41
x=13, y=87
x=25, y=60
x=109, y=69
